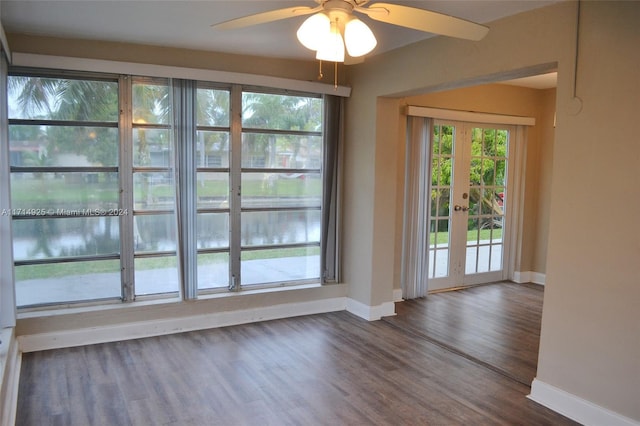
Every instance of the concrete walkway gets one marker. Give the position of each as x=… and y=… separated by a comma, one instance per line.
x=155, y=281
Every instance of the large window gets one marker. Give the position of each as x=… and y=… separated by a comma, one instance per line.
x=154, y=228
x=64, y=156
x=213, y=154
x=99, y=202
x=281, y=187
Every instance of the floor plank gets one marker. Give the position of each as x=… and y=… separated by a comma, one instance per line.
x=329, y=369
x=497, y=325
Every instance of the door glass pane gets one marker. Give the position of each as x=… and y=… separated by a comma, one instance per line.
x=496, y=257
x=473, y=231
x=488, y=170
x=440, y=202
x=441, y=179
x=435, y=171
x=477, y=259
x=439, y=248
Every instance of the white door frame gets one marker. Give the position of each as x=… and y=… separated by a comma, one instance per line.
x=513, y=226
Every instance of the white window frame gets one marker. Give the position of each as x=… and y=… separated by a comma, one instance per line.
x=126, y=167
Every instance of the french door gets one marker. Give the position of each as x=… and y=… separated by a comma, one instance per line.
x=470, y=209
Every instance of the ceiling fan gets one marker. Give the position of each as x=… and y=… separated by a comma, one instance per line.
x=333, y=25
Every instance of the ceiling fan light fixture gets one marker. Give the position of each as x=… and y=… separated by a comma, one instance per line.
x=313, y=30
x=359, y=38
x=331, y=45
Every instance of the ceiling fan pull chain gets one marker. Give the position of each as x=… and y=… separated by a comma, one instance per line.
x=320, y=70
x=335, y=77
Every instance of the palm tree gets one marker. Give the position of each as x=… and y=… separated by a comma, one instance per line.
x=280, y=112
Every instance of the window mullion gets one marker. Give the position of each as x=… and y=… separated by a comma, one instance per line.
x=126, y=190
x=235, y=180
x=184, y=129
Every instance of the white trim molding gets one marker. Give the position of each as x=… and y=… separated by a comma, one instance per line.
x=469, y=116
x=529, y=277
x=3, y=41
x=10, y=362
x=116, y=67
x=576, y=408
x=141, y=329
x=371, y=313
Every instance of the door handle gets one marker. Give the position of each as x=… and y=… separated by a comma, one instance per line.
x=458, y=208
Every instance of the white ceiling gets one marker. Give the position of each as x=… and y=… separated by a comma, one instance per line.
x=187, y=23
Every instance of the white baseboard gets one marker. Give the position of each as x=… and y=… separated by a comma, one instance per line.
x=371, y=313
x=578, y=409
x=10, y=362
x=397, y=295
x=141, y=329
x=529, y=277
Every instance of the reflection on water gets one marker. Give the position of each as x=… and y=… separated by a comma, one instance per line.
x=81, y=236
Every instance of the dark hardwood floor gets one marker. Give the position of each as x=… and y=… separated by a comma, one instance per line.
x=497, y=325
x=329, y=369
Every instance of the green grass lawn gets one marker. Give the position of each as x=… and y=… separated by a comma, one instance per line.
x=485, y=234
x=58, y=193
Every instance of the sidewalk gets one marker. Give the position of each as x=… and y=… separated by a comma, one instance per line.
x=155, y=281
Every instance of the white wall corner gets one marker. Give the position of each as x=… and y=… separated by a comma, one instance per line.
x=576, y=408
x=10, y=361
x=397, y=295
x=529, y=277
x=371, y=313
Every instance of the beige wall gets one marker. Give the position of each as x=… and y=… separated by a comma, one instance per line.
x=158, y=55
x=543, y=154
x=590, y=343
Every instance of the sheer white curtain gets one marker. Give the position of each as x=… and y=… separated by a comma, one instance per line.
x=415, y=239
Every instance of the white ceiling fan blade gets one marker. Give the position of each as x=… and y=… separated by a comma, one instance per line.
x=263, y=18
x=425, y=20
